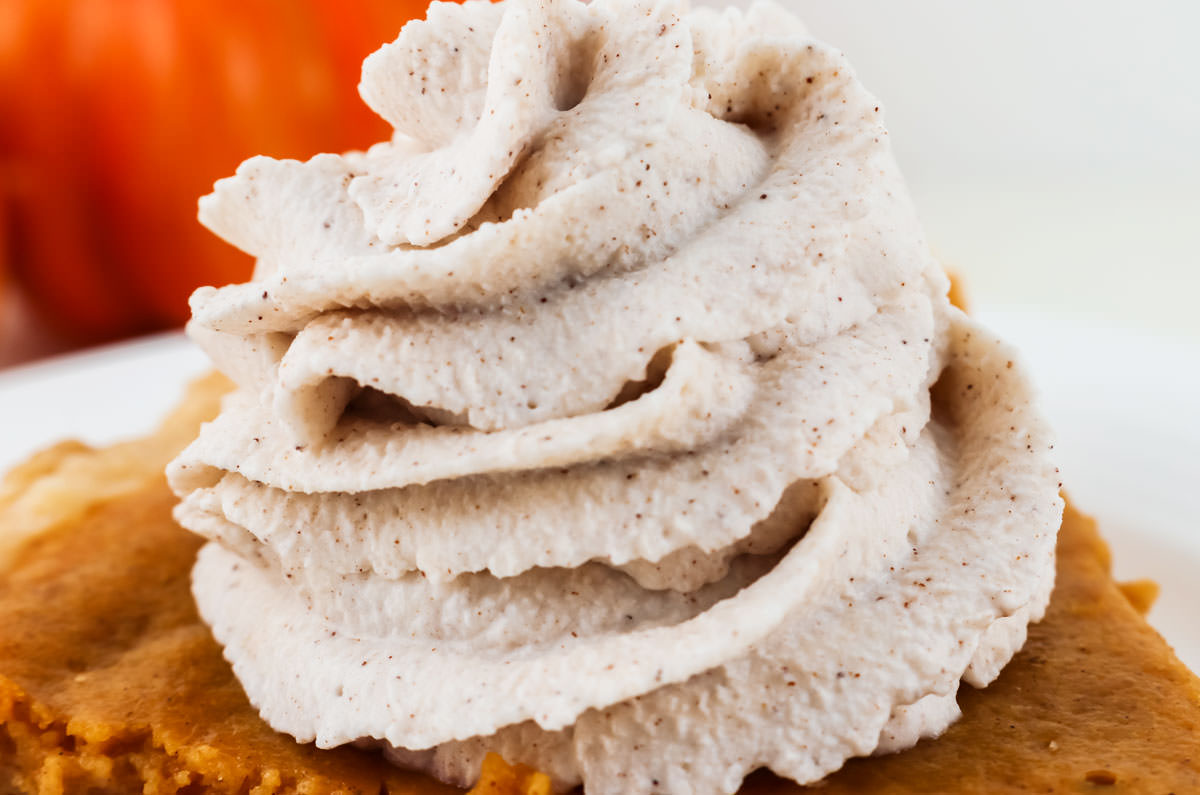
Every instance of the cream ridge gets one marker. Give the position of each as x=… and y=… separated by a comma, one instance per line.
x=611, y=416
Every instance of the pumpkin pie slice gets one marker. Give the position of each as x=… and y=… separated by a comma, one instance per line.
x=109, y=681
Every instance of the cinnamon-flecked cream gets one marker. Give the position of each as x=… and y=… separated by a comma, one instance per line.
x=611, y=416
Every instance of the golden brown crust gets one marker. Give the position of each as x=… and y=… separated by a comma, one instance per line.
x=109, y=682
x=1142, y=594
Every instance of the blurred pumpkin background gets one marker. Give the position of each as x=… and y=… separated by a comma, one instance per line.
x=117, y=115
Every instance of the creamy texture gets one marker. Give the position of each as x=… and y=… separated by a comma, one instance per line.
x=611, y=416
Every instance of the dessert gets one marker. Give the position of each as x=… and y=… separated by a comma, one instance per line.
x=611, y=417
x=110, y=682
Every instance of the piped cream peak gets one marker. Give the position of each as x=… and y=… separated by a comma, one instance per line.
x=610, y=416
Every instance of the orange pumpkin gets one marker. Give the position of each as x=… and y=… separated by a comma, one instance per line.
x=116, y=116
x=4, y=269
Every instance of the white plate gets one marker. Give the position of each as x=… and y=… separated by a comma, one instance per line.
x=99, y=396
x=1126, y=410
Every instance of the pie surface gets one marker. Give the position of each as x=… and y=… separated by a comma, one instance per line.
x=109, y=682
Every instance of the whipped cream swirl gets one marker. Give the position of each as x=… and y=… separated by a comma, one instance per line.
x=611, y=416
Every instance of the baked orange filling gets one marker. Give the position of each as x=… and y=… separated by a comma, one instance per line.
x=110, y=682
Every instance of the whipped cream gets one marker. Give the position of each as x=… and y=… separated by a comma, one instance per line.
x=611, y=416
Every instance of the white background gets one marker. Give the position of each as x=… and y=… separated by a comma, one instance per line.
x=1051, y=146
